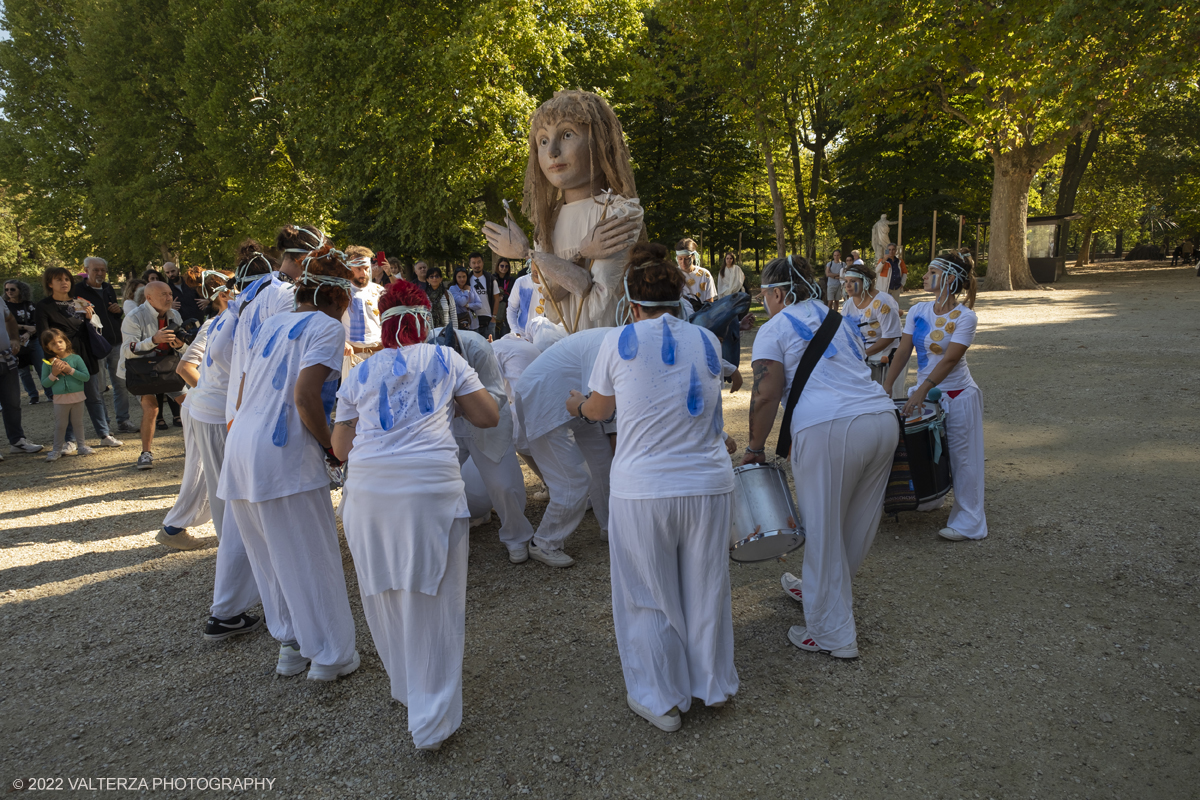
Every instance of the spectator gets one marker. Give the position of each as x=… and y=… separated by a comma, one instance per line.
x=467, y=302
x=130, y=297
x=1188, y=249
x=10, y=386
x=484, y=284
x=442, y=305
x=189, y=304
x=29, y=361
x=66, y=374
x=893, y=268
x=1177, y=255
x=384, y=269
x=504, y=282
x=833, y=279
x=151, y=274
x=108, y=310
x=421, y=275
x=143, y=332
x=71, y=315
x=731, y=279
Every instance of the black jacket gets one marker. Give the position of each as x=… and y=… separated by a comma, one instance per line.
x=51, y=316
x=102, y=298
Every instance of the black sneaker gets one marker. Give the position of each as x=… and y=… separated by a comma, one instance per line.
x=217, y=629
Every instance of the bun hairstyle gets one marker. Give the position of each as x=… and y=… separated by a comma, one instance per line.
x=250, y=262
x=325, y=280
x=297, y=240
x=791, y=269
x=403, y=329
x=958, y=283
x=208, y=282
x=650, y=276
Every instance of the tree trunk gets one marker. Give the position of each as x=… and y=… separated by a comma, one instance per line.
x=1008, y=262
x=776, y=197
x=1078, y=156
x=1085, y=247
x=1120, y=244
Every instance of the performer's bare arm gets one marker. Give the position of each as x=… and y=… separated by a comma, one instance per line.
x=479, y=408
x=899, y=362
x=594, y=406
x=343, y=437
x=879, y=346
x=765, y=396
x=308, y=402
x=954, y=354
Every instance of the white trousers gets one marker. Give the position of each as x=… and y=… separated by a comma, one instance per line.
x=292, y=543
x=575, y=460
x=192, y=505
x=964, y=435
x=672, y=606
x=234, y=588
x=505, y=484
x=420, y=639
x=840, y=468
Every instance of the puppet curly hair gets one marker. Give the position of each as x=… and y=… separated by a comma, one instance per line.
x=405, y=324
x=608, y=156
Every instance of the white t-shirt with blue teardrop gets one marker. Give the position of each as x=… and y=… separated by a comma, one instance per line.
x=666, y=375
x=840, y=384
x=932, y=333
x=269, y=453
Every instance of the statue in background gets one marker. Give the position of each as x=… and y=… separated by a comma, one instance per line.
x=581, y=198
x=879, y=236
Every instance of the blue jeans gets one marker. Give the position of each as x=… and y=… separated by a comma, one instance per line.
x=108, y=369
x=93, y=392
x=10, y=404
x=32, y=376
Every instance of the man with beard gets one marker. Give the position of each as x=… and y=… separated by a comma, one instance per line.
x=361, y=320
x=189, y=304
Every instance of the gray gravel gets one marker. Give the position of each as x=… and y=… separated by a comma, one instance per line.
x=1058, y=658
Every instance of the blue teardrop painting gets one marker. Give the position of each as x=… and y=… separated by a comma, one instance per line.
x=424, y=395
x=526, y=300
x=668, y=345
x=695, y=397
x=920, y=332
x=627, y=343
x=271, y=343
x=363, y=371
x=399, y=364
x=208, y=359
x=299, y=327
x=802, y=330
x=710, y=355
x=279, y=379
x=385, y=409
x=441, y=357
x=280, y=436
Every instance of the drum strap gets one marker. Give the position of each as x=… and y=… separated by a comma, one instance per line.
x=812, y=354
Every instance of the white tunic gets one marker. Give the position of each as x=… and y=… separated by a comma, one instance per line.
x=269, y=453
x=730, y=281
x=880, y=319
x=840, y=384
x=514, y=357
x=666, y=376
x=493, y=442
x=272, y=296
x=524, y=303
x=206, y=400
x=547, y=382
x=932, y=333
x=699, y=285
x=361, y=319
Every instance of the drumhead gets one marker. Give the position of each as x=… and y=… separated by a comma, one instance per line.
x=929, y=412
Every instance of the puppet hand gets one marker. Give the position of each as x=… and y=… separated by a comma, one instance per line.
x=609, y=237
x=507, y=240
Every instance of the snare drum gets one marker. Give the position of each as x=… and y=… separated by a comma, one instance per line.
x=766, y=523
x=921, y=469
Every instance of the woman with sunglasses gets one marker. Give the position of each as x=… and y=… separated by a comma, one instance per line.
x=18, y=297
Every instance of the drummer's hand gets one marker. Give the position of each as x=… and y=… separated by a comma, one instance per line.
x=914, y=404
x=754, y=458
x=735, y=381
x=574, y=401
x=731, y=445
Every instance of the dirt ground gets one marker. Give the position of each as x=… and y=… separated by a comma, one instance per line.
x=1056, y=658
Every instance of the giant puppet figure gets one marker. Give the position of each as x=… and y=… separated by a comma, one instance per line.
x=582, y=201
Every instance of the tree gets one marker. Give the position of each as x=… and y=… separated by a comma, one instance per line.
x=1020, y=79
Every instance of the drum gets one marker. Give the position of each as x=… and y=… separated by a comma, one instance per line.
x=766, y=523
x=921, y=468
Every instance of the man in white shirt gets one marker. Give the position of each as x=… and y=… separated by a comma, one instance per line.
x=361, y=320
x=699, y=286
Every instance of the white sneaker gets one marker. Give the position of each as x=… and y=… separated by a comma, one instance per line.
x=542, y=494
x=70, y=449
x=798, y=635
x=604, y=535
x=25, y=446
x=111, y=441
x=318, y=672
x=84, y=450
x=486, y=518
x=519, y=554
x=669, y=722
x=791, y=585
x=53, y=455
x=951, y=534
x=553, y=558
x=290, y=661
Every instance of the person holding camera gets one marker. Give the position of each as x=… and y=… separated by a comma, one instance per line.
x=145, y=332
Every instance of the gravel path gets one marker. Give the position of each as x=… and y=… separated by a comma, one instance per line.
x=1057, y=658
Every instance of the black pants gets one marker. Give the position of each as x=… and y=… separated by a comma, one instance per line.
x=10, y=402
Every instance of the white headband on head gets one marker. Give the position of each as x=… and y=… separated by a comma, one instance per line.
x=419, y=313
x=361, y=261
x=221, y=287
x=814, y=292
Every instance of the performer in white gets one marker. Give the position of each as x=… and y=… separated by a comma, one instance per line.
x=730, y=279
x=514, y=356
x=699, y=286
x=234, y=589
x=875, y=314
x=672, y=497
x=581, y=198
x=525, y=302
x=843, y=436
x=405, y=512
x=942, y=330
x=574, y=458
x=361, y=320
x=274, y=478
x=492, y=447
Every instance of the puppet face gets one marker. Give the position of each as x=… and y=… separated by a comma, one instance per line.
x=563, y=154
